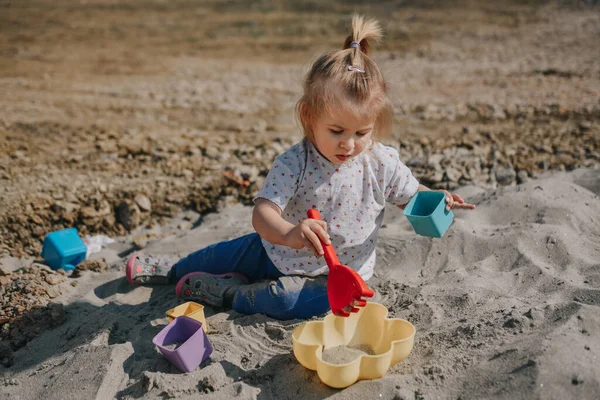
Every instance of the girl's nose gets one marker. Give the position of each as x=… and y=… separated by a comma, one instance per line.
x=347, y=144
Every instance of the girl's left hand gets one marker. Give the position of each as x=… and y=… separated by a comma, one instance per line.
x=456, y=201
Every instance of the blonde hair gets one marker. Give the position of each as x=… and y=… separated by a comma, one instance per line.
x=347, y=79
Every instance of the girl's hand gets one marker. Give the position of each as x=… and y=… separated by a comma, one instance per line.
x=307, y=234
x=456, y=201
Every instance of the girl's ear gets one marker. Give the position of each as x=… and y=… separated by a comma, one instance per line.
x=305, y=119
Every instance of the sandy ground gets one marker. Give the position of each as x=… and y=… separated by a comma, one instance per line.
x=505, y=306
x=101, y=101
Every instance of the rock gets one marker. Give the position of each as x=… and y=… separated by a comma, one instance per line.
x=140, y=242
x=54, y=279
x=212, y=152
x=71, y=198
x=249, y=172
x=8, y=265
x=129, y=214
x=584, y=125
x=498, y=113
x=522, y=177
x=417, y=162
x=277, y=147
x=194, y=151
x=133, y=147
x=18, y=155
x=66, y=207
x=452, y=174
x=107, y=146
x=435, y=161
x=505, y=175
x=90, y=212
x=184, y=225
x=143, y=202
x=98, y=265
x=259, y=182
x=53, y=292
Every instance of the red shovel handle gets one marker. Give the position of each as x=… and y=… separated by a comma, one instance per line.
x=330, y=256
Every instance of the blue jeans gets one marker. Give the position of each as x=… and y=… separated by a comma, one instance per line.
x=271, y=292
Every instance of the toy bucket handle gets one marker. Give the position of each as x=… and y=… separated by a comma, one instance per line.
x=330, y=255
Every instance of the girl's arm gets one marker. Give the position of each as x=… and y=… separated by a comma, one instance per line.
x=268, y=223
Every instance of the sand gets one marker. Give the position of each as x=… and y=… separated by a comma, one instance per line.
x=345, y=354
x=107, y=104
x=505, y=306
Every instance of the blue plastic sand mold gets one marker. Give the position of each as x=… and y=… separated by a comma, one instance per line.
x=427, y=213
x=64, y=249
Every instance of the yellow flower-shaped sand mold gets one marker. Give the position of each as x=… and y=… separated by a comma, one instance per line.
x=391, y=341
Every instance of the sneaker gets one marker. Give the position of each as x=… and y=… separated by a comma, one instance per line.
x=214, y=290
x=148, y=270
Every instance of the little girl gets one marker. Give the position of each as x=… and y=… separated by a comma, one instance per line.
x=338, y=168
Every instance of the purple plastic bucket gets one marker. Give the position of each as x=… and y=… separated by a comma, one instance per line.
x=194, y=347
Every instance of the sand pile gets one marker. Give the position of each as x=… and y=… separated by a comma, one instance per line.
x=505, y=305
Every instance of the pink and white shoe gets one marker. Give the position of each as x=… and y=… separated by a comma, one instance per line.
x=148, y=270
x=208, y=288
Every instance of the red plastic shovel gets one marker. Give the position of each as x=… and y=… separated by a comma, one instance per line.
x=344, y=285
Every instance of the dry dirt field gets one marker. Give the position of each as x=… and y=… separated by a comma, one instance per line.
x=117, y=116
x=103, y=101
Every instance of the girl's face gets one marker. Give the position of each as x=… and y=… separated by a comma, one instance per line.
x=340, y=136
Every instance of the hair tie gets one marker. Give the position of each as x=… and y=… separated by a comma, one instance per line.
x=354, y=44
x=353, y=68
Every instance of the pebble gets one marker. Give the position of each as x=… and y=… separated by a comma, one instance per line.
x=143, y=202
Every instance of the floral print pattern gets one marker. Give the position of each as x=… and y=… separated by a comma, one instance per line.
x=350, y=197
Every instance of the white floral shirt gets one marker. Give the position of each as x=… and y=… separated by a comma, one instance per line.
x=350, y=197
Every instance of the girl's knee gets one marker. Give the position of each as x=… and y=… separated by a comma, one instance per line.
x=283, y=293
x=289, y=297
x=298, y=297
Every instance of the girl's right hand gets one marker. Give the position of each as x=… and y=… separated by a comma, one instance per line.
x=307, y=234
